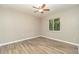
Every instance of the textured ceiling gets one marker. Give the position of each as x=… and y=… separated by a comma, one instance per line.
x=27, y=8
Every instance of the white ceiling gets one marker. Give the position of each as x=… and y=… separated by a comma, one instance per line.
x=27, y=8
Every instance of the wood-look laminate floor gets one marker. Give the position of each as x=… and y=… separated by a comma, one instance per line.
x=39, y=45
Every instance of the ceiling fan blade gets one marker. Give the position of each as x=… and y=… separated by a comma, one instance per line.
x=35, y=7
x=43, y=5
x=46, y=9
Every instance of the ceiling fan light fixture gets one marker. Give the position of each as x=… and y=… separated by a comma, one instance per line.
x=40, y=10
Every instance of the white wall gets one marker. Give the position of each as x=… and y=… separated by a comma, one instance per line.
x=15, y=25
x=69, y=20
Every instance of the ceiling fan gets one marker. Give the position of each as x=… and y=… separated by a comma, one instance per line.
x=41, y=8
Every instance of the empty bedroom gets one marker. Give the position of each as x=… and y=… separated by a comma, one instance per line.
x=39, y=28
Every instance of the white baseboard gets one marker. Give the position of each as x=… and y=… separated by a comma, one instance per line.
x=3, y=44
x=61, y=41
